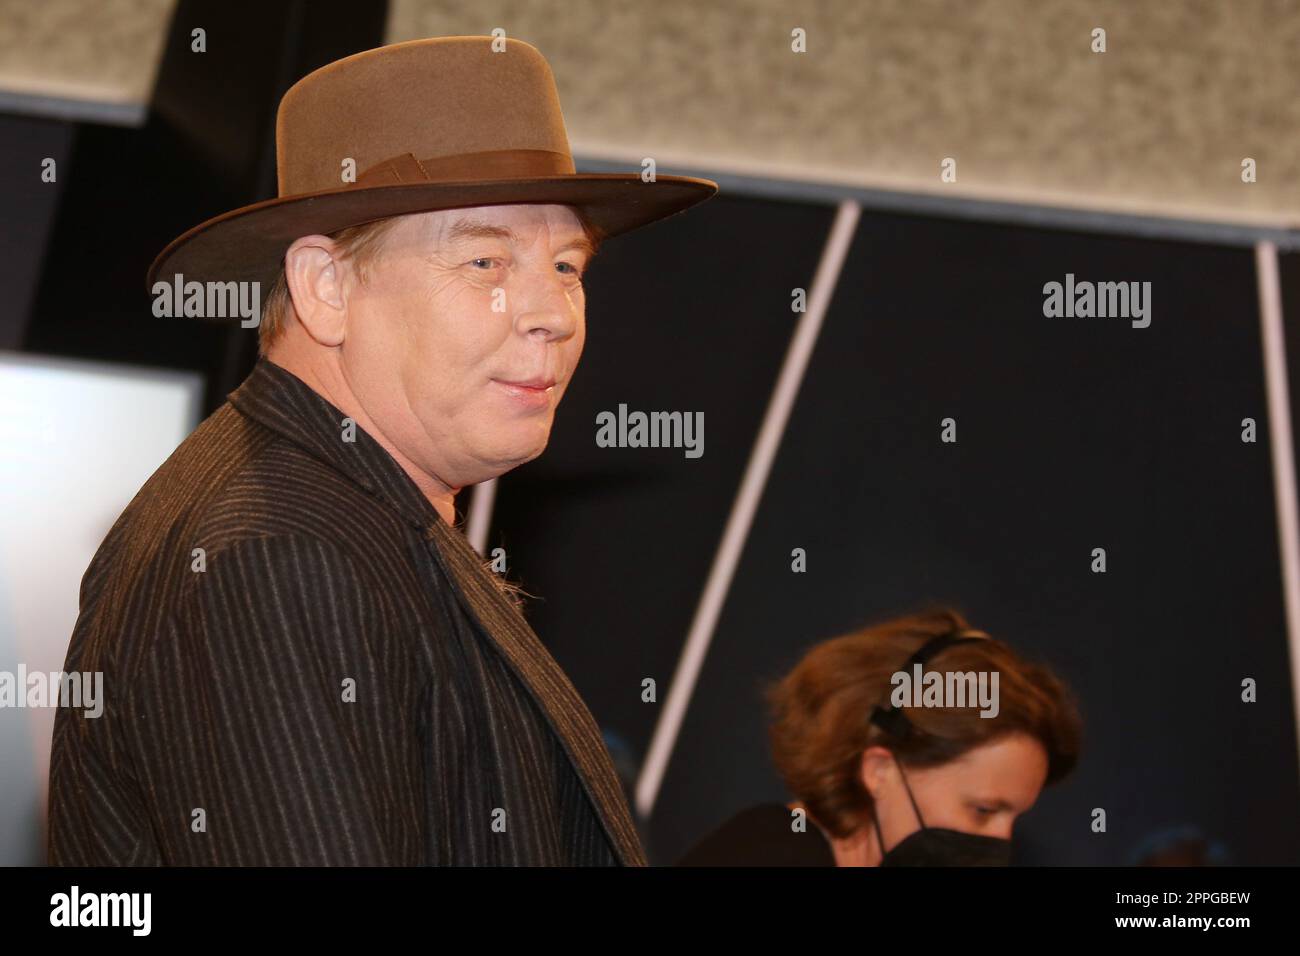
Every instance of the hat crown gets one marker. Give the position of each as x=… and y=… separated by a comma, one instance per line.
x=415, y=127
x=434, y=99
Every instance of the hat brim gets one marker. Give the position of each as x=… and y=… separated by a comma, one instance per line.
x=248, y=244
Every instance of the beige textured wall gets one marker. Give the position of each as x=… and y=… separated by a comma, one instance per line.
x=94, y=50
x=1158, y=124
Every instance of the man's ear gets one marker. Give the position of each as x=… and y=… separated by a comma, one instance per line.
x=315, y=275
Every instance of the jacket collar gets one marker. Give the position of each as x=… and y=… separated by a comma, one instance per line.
x=278, y=399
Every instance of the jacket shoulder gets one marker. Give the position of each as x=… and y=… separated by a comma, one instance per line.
x=285, y=490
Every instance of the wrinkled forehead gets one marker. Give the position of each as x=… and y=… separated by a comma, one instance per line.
x=521, y=222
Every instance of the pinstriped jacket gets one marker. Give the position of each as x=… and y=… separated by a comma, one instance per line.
x=305, y=665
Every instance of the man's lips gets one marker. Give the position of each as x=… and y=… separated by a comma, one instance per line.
x=534, y=394
x=539, y=384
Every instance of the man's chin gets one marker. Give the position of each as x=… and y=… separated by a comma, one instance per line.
x=513, y=456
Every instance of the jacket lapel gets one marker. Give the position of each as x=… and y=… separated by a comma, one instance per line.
x=568, y=716
x=280, y=400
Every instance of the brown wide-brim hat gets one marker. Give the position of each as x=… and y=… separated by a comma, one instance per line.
x=432, y=124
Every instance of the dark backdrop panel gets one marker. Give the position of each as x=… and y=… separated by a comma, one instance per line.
x=29, y=206
x=1288, y=267
x=208, y=147
x=688, y=315
x=1073, y=433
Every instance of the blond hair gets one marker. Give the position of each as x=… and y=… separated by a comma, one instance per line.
x=360, y=243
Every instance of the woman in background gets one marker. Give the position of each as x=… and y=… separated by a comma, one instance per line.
x=878, y=784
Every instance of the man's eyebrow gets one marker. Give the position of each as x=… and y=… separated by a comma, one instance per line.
x=581, y=243
x=476, y=229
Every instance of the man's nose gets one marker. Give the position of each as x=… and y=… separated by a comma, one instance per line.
x=548, y=305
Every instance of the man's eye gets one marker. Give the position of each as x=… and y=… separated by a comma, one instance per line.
x=575, y=271
x=475, y=262
x=988, y=811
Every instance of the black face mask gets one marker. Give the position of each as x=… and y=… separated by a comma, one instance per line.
x=935, y=846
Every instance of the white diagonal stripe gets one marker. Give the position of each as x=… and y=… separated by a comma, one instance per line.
x=744, y=507
x=1280, y=441
x=479, y=521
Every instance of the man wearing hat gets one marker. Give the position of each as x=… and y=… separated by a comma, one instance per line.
x=305, y=662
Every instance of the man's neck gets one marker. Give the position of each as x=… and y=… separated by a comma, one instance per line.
x=328, y=381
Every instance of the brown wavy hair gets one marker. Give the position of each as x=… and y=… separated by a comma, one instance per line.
x=821, y=712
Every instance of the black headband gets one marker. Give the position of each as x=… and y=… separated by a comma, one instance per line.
x=893, y=721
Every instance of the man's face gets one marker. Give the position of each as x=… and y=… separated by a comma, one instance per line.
x=458, y=305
